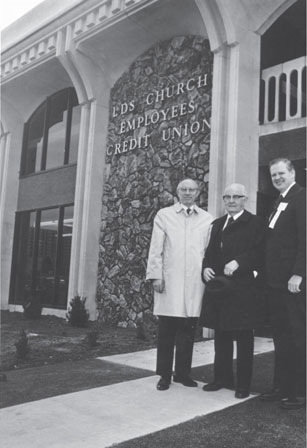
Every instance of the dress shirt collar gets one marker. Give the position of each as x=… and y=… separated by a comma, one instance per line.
x=179, y=207
x=185, y=208
x=234, y=217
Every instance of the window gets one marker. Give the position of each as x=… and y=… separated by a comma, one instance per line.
x=41, y=256
x=51, y=135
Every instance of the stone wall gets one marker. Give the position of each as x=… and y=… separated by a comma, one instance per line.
x=156, y=137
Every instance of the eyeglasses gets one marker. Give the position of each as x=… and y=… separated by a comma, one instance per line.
x=235, y=197
x=187, y=190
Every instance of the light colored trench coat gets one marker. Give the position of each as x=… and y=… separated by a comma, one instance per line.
x=176, y=252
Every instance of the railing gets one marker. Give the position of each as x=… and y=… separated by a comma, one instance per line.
x=283, y=92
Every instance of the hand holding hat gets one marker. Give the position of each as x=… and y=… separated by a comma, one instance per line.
x=231, y=267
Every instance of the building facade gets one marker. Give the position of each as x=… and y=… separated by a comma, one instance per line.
x=106, y=105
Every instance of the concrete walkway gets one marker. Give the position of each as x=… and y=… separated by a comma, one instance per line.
x=104, y=416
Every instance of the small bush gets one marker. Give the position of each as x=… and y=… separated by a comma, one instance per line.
x=92, y=337
x=147, y=327
x=32, y=307
x=140, y=331
x=22, y=347
x=77, y=315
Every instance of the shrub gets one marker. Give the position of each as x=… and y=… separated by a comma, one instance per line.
x=147, y=327
x=22, y=347
x=32, y=307
x=92, y=337
x=140, y=331
x=77, y=315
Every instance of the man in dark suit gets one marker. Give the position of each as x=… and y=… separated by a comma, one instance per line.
x=234, y=252
x=286, y=278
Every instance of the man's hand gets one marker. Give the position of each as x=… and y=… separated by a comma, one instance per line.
x=231, y=267
x=158, y=285
x=294, y=283
x=209, y=274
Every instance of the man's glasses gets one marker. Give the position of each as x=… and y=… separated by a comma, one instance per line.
x=235, y=197
x=188, y=190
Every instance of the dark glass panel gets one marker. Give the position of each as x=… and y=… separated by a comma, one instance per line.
x=261, y=103
x=272, y=83
x=64, y=257
x=46, y=256
x=34, y=143
x=23, y=265
x=57, y=130
x=293, y=93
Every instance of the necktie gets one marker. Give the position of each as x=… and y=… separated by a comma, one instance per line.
x=276, y=204
x=229, y=222
x=188, y=211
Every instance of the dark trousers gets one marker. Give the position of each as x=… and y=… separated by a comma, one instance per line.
x=288, y=320
x=179, y=332
x=223, y=371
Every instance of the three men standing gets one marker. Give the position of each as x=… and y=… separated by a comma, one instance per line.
x=178, y=243
x=231, y=306
x=286, y=278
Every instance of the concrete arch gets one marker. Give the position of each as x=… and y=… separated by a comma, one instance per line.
x=218, y=23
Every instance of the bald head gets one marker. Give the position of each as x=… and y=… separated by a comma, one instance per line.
x=236, y=189
x=235, y=197
x=187, y=191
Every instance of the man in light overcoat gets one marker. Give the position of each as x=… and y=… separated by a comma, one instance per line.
x=178, y=243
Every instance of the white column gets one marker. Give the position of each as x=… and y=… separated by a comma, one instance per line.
x=78, y=203
x=288, y=95
x=235, y=123
x=276, y=104
x=10, y=166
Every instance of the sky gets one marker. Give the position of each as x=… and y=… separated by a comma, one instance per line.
x=11, y=10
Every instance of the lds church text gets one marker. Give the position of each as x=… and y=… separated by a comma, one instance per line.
x=154, y=116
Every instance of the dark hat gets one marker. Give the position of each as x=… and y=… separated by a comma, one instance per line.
x=219, y=285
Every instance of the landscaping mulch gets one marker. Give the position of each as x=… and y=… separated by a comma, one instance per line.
x=51, y=339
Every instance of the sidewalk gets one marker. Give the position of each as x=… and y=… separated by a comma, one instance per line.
x=105, y=414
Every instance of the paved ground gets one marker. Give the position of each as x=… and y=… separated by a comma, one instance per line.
x=93, y=411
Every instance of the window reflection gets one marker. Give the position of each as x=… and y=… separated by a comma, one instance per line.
x=25, y=254
x=51, y=136
x=46, y=258
x=34, y=142
x=57, y=130
x=64, y=256
x=75, y=132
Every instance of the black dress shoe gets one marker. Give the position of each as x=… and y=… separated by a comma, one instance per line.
x=212, y=387
x=187, y=381
x=271, y=395
x=163, y=384
x=293, y=403
x=241, y=394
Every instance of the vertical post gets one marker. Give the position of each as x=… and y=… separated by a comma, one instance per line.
x=276, y=104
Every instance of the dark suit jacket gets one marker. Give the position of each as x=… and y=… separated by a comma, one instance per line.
x=242, y=241
x=286, y=243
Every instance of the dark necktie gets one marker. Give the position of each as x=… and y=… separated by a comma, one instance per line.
x=276, y=204
x=229, y=222
x=188, y=211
